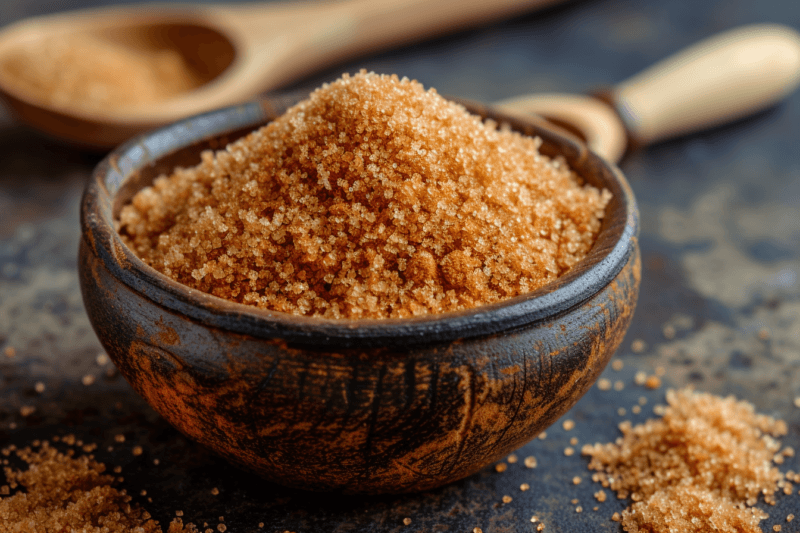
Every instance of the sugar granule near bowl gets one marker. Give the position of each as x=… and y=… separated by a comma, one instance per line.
x=701, y=467
x=373, y=198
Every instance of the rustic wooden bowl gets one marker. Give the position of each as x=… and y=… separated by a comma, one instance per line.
x=358, y=406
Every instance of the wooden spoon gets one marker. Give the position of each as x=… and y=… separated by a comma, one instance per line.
x=237, y=51
x=721, y=79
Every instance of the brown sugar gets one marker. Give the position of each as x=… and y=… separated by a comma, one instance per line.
x=701, y=467
x=373, y=198
x=67, y=493
x=94, y=72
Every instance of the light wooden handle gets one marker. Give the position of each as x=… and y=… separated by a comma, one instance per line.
x=717, y=80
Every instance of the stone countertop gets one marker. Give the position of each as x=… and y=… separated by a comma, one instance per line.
x=719, y=306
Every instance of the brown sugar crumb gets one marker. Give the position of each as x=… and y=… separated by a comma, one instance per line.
x=542, y=435
x=701, y=467
x=652, y=382
x=507, y=499
x=88, y=379
x=776, y=527
x=789, y=517
x=540, y=527
x=604, y=384
x=137, y=450
x=215, y=491
x=638, y=346
x=576, y=480
x=39, y=387
x=573, y=441
x=600, y=496
x=407, y=521
x=636, y=409
x=579, y=509
x=119, y=437
x=10, y=351
x=67, y=493
x=373, y=198
x=524, y=487
x=477, y=530
x=512, y=458
x=617, y=364
x=640, y=378
x=619, y=385
x=501, y=467
x=27, y=410
x=568, y=425
x=530, y=462
x=55, y=70
x=568, y=451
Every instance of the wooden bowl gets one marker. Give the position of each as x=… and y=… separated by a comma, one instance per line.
x=356, y=406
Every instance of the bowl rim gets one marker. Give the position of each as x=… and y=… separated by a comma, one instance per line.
x=615, y=245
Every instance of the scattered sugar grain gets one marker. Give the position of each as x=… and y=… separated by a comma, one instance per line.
x=101, y=359
x=501, y=467
x=669, y=332
x=621, y=411
x=619, y=385
x=39, y=387
x=568, y=451
x=119, y=437
x=542, y=435
x=579, y=509
x=576, y=480
x=27, y=410
x=407, y=521
x=573, y=441
x=477, y=530
x=373, y=198
x=507, y=499
x=10, y=351
x=530, y=462
x=652, y=382
x=215, y=491
x=636, y=409
x=638, y=346
x=512, y=458
x=524, y=487
x=617, y=364
x=568, y=425
x=137, y=451
x=88, y=379
x=604, y=384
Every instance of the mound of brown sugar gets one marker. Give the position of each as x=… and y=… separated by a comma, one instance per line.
x=700, y=468
x=374, y=198
x=67, y=493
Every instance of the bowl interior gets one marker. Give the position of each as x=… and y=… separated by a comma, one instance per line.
x=137, y=163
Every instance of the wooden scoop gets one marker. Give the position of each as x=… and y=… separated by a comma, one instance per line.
x=236, y=51
x=721, y=79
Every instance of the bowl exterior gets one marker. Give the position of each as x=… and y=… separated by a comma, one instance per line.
x=359, y=421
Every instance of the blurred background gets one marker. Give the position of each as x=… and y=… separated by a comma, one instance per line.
x=719, y=306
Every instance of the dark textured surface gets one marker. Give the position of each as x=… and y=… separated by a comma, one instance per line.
x=720, y=247
x=357, y=406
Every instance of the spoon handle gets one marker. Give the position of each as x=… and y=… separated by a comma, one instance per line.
x=723, y=78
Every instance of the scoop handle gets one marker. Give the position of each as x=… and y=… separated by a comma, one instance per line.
x=720, y=79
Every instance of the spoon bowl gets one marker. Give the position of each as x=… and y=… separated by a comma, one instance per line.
x=357, y=406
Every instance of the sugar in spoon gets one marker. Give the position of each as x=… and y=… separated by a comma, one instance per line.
x=720, y=79
x=238, y=51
